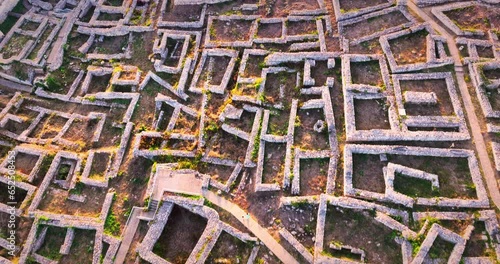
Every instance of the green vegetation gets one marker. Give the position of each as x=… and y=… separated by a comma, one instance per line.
x=8, y=23
x=190, y=196
x=440, y=249
x=297, y=121
x=300, y=204
x=256, y=144
x=211, y=127
x=78, y=188
x=257, y=83
x=20, y=70
x=136, y=17
x=63, y=172
x=111, y=225
x=192, y=164
x=212, y=33
x=53, y=85
x=261, y=97
x=53, y=241
x=114, y=2
x=208, y=203
x=414, y=187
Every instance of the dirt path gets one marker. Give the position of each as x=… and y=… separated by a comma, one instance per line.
x=252, y=225
x=477, y=137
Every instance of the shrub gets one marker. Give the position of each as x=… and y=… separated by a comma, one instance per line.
x=52, y=84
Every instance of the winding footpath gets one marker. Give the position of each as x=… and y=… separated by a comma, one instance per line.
x=252, y=225
x=477, y=136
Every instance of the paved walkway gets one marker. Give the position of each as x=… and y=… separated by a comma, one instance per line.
x=252, y=225
x=173, y=181
x=477, y=136
x=128, y=236
x=129, y=232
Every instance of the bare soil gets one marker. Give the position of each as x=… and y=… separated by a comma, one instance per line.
x=99, y=165
x=278, y=123
x=443, y=106
x=167, y=115
x=440, y=251
x=218, y=172
x=18, y=128
x=5, y=198
x=41, y=42
x=476, y=246
x=80, y=130
x=300, y=5
x=245, y=123
x=410, y=49
x=485, y=52
x=214, y=77
x=103, y=16
x=269, y=30
x=266, y=256
x=371, y=114
x=114, y=2
x=373, y=25
x=349, y=5
x=320, y=72
x=182, y=13
x=229, y=249
x=457, y=226
x=475, y=17
x=494, y=99
x=492, y=74
x=288, y=81
x=215, y=105
x=88, y=15
x=274, y=162
x=110, y=45
x=359, y=229
x=229, y=31
x=313, y=176
x=301, y=219
x=262, y=206
x=368, y=173
x=253, y=66
x=305, y=27
x=57, y=203
x=14, y=45
x=29, y=25
x=175, y=244
x=282, y=8
x=23, y=226
x=174, y=47
x=332, y=44
x=130, y=186
x=227, y=146
x=366, y=73
x=99, y=84
x=25, y=162
x=53, y=126
x=454, y=174
x=82, y=248
x=186, y=124
x=305, y=136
